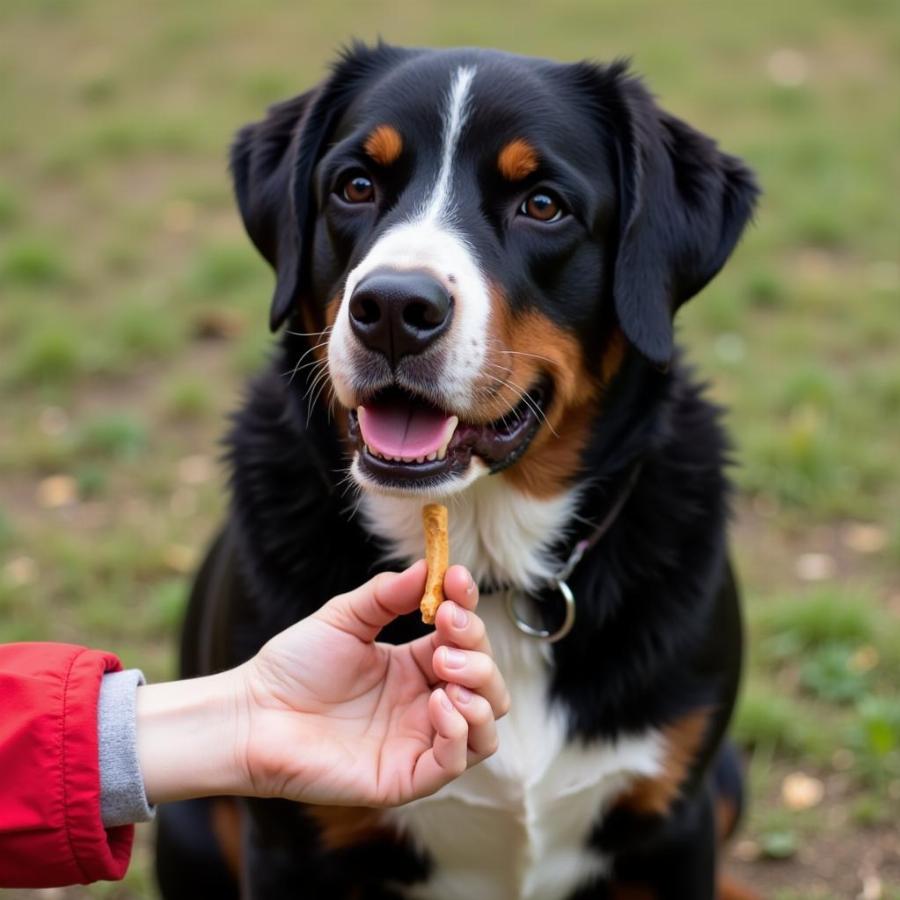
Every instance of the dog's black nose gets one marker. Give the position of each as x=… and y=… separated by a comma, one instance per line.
x=399, y=313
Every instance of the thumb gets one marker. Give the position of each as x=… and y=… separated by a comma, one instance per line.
x=365, y=611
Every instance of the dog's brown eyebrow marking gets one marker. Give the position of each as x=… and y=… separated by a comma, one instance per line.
x=517, y=160
x=384, y=144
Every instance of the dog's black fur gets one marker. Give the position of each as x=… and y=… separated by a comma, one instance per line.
x=658, y=631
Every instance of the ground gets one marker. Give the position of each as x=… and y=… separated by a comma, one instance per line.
x=132, y=308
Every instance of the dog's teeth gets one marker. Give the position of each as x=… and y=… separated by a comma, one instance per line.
x=449, y=431
x=431, y=457
x=420, y=459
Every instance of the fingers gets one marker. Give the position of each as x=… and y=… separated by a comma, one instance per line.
x=457, y=626
x=447, y=757
x=474, y=670
x=480, y=718
x=485, y=698
x=365, y=611
x=460, y=587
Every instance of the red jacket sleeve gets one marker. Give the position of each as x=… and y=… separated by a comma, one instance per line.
x=51, y=833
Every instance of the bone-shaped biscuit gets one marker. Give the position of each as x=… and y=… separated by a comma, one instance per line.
x=437, y=555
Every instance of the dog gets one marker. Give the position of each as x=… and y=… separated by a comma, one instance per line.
x=478, y=257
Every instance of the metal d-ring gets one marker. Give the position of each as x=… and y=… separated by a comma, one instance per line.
x=542, y=633
x=558, y=580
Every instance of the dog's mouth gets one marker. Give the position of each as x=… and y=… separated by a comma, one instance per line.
x=405, y=441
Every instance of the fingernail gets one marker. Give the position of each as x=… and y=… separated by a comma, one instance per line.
x=463, y=694
x=470, y=587
x=460, y=617
x=454, y=659
x=446, y=703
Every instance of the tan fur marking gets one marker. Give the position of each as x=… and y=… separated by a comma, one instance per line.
x=683, y=739
x=348, y=826
x=316, y=328
x=384, y=145
x=517, y=160
x=613, y=355
x=729, y=889
x=319, y=330
x=225, y=821
x=535, y=345
x=726, y=818
x=331, y=311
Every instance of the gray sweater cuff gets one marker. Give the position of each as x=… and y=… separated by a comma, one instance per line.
x=122, y=797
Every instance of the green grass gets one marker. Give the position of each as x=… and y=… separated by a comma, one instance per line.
x=10, y=208
x=188, y=398
x=32, y=262
x=133, y=307
x=111, y=437
x=48, y=356
x=221, y=272
x=145, y=331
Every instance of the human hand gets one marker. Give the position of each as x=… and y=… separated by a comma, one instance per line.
x=337, y=717
x=326, y=714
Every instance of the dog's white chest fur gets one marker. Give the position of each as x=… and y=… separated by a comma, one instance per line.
x=516, y=826
x=499, y=534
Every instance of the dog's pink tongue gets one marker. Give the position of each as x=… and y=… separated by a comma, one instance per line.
x=403, y=429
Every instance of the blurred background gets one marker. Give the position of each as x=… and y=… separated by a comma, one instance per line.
x=133, y=308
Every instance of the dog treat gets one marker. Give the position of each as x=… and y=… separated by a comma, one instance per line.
x=437, y=555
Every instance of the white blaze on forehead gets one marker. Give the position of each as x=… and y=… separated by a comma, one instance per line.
x=431, y=240
x=455, y=117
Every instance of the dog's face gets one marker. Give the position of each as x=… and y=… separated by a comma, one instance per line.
x=485, y=238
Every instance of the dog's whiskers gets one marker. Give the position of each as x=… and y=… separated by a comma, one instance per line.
x=321, y=374
x=527, y=399
x=310, y=333
x=315, y=389
x=523, y=353
x=316, y=362
x=302, y=357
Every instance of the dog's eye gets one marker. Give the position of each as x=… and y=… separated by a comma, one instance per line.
x=358, y=189
x=542, y=206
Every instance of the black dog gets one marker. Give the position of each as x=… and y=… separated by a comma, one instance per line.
x=480, y=256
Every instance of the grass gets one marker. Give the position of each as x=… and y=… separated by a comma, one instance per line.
x=132, y=308
x=188, y=398
x=32, y=263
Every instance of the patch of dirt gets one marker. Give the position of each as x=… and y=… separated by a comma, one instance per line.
x=854, y=863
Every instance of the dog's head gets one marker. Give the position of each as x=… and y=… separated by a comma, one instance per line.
x=483, y=239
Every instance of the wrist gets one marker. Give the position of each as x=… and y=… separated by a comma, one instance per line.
x=192, y=737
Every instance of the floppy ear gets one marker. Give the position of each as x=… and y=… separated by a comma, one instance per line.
x=272, y=165
x=262, y=160
x=683, y=204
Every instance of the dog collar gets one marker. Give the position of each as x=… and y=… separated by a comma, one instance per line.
x=558, y=583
